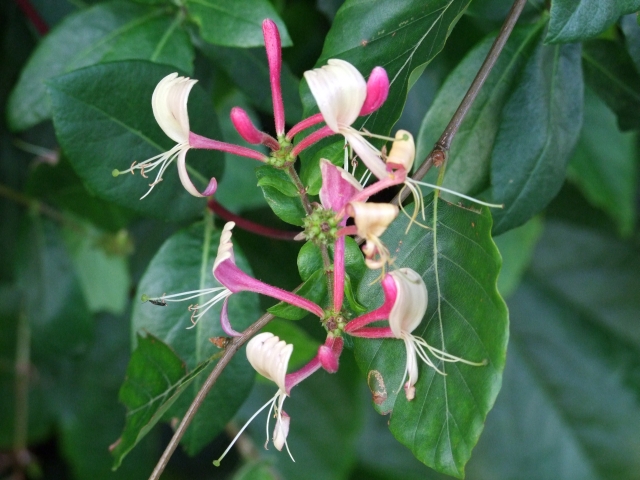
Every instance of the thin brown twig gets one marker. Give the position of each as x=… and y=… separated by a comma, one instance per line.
x=441, y=148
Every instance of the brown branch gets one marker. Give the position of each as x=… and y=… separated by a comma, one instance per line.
x=441, y=149
x=230, y=350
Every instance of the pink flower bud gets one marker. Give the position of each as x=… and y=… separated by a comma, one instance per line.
x=244, y=126
x=377, y=91
x=328, y=359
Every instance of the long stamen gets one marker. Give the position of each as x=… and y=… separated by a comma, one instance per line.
x=244, y=427
x=206, y=306
x=466, y=197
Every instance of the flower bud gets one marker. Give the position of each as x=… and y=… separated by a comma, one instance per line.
x=244, y=126
x=377, y=91
x=328, y=359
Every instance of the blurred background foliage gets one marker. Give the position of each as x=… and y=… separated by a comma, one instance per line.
x=557, y=120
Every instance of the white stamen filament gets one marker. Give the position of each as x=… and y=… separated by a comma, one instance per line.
x=222, y=293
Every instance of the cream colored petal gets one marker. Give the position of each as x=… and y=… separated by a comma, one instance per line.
x=169, y=103
x=339, y=90
x=372, y=219
x=281, y=431
x=403, y=150
x=225, y=249
x=184, y=174
x=411, y=302
x=269, y=356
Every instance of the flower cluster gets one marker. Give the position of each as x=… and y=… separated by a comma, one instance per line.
x=342, y=95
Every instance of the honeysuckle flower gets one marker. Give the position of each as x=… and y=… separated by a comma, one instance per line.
x=371, y=220
x=342, y=94
x=404, y=307
x=269, y=356
x=169, y=104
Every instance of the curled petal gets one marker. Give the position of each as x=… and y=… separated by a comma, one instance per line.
x=281, y=430
x=169, y=103
x=372, y=219
x=269, y=356
x=186, y=181
x=225, y=249
x=411, y=302
x=403, y=151
x=339, y=90
x=338, y=186
x=377, y=91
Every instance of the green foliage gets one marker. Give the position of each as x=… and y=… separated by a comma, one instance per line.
x=466, y=317
x=573, y=21
x=77, y=243
x=103, y=33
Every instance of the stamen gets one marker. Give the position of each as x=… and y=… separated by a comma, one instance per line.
x=466, y=197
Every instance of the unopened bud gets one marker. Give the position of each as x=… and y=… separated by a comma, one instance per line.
x=244, y=126
x=377, y=91
x=328, y=359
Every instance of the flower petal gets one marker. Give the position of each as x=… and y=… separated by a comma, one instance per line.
x=186, y=181
x=269, y=356
x=338, y=186
x=169, y=103
x=411, y=302
x=339, y=90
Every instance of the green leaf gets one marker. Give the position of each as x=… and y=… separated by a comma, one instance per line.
x=468, y=164
x=497, y=10
x=103, y=275
x=574, y=21
x=314, y=289
x=310, y=170
x=310, y=259
x=261, y=470
x=516, y=248
x=249, y=71
x=234, y=24
x=103, y=120
x=60, y=185
x=539, y=129
x=281, y=194
x=184, y=264
x=610, y=72
x=58, y=315
x=570, y=392
x=105, y=32
x=156, y=377
x=604, y=165
x=466, y=317
x=631, y=31
x=399, y=37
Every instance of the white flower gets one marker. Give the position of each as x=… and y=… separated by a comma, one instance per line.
x=340, y=91
x=371, y=220
x=269, y=356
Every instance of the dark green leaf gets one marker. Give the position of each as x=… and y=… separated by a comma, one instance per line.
x=310, y=170
x=497, y=10
x=610, y=72
x=105, y=32
x=281, y=194
x=314, y=289
x=516, y=248
x=604, y=165
x=103, y=274
x=468, y=164
x=58, y=315
x=631, y=31
x=577, y=20
x=569, y=407
x=104, y=121
x=156, y=377
x=466, y=317
x=183, y=264
x=234, y=24
x=539, y=129
x=257, y=471
x=90, y=417
x=249, y=71
x=310, y=260
x=400, y=37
